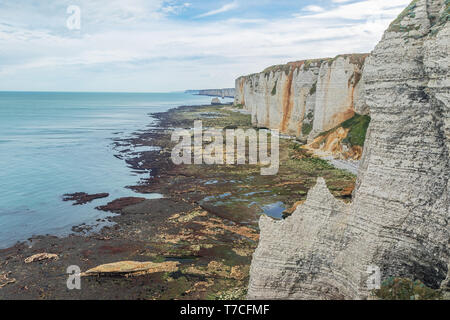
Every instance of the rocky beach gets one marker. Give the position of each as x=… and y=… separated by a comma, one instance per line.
x=196, y=243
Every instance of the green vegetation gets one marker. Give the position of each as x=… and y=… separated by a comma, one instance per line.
x=358, y=129
x=320, y=164
x=446, y=14
x=306, y=128
x=232, y=294
x=274, y=90
x=297, y=147
x=405, y=289
x=408, y=12
x=308, y=125
x=280, y=67
x=308, y=63
x=355, y=58
x=305, y=162
x=313, y=88
x=220, y=117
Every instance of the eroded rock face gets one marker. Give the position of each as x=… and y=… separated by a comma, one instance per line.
x=294, y=256
x=304, y=98
x=398, y=220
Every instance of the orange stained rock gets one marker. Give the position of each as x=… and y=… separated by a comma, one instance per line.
x=288, y=102
x=331, y=144
x=294, y=207
x=241, y=85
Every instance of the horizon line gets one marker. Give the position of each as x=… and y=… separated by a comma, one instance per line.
x=137, y=92
x=64, y=91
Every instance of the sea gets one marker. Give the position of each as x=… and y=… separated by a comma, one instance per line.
x=53, y=143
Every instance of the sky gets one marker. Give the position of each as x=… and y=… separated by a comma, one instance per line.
x=175, y=45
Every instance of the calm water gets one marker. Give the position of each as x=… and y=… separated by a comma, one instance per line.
x=57, y=143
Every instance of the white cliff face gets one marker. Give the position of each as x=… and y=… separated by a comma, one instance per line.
x=304, y=98
x=296, y=258
x=399, y=217
x=228, y=92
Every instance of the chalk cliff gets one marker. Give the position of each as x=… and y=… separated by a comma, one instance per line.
x=304, y=98
x=399, y=217
x=228, y=92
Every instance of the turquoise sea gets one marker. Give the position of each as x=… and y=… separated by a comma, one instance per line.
x=57, y=143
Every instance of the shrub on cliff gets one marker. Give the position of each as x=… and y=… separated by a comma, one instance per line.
x=358, y=129
x=406, y=289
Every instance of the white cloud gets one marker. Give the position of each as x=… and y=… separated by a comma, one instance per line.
x=340, y=1
x=362, y=9
x=313, y=8
x=173, y=8
x=158, y=54
x=224, y=8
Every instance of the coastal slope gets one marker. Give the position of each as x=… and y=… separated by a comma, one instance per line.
x=398, y=220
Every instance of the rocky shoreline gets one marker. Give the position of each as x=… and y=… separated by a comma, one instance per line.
x=196, y=243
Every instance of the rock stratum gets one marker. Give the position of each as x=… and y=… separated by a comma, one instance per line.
x=304, y=98
x=398, y=219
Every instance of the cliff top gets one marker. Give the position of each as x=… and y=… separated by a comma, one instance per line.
x=437, y=14
x=355, y=58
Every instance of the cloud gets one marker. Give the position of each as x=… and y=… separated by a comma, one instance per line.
x=173, y=8
x=340, y=1
x=313, y=8
x=361, y=10
x=140, y=48
x=224, y=8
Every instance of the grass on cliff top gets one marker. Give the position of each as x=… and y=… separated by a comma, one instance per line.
x=286, y=68
x=407, y=12
x=354, y=58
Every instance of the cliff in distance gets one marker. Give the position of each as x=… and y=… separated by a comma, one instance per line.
x=398, y=220
x=304, y=98
x=226, y=93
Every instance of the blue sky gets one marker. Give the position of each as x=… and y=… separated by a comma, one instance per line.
x=171, y=45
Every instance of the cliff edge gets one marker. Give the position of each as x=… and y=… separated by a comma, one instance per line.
x=398, y=220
